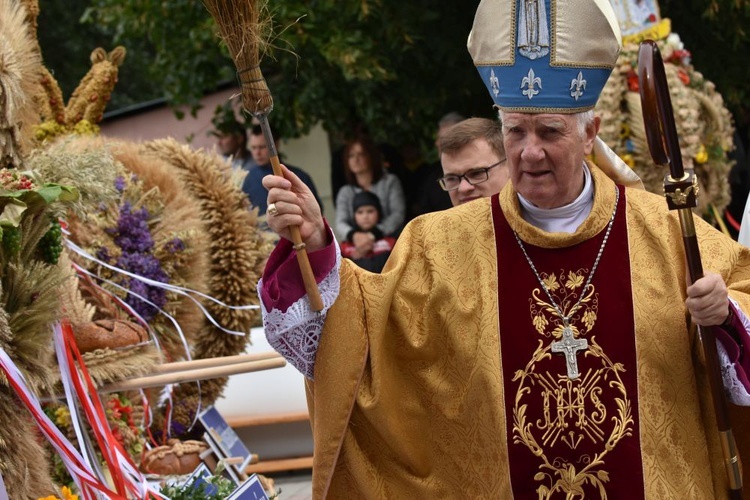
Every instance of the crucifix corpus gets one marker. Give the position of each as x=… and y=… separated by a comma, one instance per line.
x=569, y=346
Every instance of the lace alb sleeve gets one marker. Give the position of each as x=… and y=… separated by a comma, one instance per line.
x=735, y=389
x=295, y=333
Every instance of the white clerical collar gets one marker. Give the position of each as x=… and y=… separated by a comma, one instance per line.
x=564, y=219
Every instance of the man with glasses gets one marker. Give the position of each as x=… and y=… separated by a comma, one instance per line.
x=473, y=159
x=539, y=343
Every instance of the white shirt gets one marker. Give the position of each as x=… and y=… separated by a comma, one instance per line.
x=565, y=219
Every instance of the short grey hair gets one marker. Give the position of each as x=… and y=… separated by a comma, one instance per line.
x=583, y=120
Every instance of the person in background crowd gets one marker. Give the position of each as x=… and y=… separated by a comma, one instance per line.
x=231, y=138
x=473, y=160
x=367, y=215
x=426, y=195
x=364, y=172
x=446, y=122
x=253, y=184
x=392, y=159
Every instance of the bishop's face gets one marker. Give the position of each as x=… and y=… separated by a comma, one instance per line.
x=545, y=156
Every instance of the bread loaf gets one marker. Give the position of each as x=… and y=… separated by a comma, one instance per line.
x=107, y=333
x=174, y=458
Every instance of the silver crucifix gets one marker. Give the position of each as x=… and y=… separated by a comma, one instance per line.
x=569, y=347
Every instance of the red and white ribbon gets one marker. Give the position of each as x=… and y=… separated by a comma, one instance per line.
x=85, y=479
x=127, y=479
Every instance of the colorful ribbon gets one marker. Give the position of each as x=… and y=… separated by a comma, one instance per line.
x=85, y=479
x=127, y=479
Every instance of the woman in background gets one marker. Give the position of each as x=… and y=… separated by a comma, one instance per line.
x=364, y=172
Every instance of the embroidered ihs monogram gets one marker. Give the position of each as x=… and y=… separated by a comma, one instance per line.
x=554, y=411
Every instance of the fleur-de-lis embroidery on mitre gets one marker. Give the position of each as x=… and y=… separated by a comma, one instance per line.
x=531, y=81
x=577, y=86
x=494, y=83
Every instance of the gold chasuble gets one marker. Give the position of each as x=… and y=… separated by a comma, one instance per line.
x=446, y=376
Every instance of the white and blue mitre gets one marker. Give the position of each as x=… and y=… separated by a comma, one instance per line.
x=545, y=56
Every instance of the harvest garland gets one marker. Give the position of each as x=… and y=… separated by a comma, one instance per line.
x=704, y=125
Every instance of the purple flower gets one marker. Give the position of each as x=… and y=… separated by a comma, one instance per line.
x=148, y=266
x=103, y=255
x=143, y=264
x=133, y=236
x=175, y=245
x=132, y=233
x=178, y=429
x=120, y=184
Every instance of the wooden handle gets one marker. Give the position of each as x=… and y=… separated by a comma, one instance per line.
x=311, y=287
x=162, y=379
x=179, y=366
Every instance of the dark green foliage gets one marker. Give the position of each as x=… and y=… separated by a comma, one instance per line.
x=11, y=241
x=50, y=245
x=67, y=44
x=393, y=66
x=183, y=57
x=715, y=32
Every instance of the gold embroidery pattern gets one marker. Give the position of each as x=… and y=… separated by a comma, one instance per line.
x=572, y=410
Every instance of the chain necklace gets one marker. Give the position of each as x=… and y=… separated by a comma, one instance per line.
x=569, y=345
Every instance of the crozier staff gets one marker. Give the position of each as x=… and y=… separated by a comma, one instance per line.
x=534, y=344
x=681, y=191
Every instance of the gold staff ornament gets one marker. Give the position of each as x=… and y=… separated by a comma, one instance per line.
x=241, y=27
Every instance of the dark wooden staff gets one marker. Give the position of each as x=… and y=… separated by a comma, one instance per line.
x=681, y=190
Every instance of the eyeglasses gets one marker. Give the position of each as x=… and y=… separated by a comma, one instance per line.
x=473, y=177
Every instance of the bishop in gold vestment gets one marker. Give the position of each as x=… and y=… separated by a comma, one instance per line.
x=531, y=345
x=435, y=378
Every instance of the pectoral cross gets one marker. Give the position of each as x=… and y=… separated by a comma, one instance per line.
x=569, y=347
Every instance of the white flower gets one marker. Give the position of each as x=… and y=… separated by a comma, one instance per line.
x=674, y=40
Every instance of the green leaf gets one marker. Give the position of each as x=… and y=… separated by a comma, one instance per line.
x=56, y=192
x=12, y=213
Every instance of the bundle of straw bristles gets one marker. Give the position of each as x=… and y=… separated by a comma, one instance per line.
x=245, y=26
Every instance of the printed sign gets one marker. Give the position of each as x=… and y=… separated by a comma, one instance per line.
x=228, y=442
x=249, y=490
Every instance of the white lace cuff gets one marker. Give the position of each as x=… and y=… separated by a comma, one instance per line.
x=732, y=385
x=295, y=333
x=735, y=389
